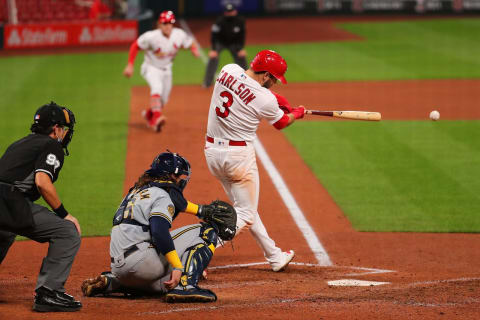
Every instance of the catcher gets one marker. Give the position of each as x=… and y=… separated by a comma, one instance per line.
x=148, y=259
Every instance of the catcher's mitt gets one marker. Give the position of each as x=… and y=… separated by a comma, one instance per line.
x=222, y=216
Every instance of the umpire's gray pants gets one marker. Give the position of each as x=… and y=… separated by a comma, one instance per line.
x=212, y=64
x=64, y=242
x=146, y=270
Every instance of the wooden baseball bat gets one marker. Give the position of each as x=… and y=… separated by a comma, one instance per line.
x=354, y=115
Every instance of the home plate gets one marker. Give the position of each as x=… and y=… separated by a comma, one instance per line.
x=355, y=283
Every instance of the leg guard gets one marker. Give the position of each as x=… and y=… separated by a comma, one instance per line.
x=195, y=260
x=198, y=258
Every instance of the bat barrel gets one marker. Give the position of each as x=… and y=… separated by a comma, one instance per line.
x=353, y=115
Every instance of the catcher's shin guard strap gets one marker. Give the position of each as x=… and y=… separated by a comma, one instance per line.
x=197, y=259
x=209, y=234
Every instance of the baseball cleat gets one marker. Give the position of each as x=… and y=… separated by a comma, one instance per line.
x=156, y=121
x=287, y=258
x=190, y=295
x=95, y=286
x=48, y=300
x=147, y=114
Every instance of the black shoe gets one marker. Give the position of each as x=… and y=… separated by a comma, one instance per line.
x=195, y=294
x=48, y=300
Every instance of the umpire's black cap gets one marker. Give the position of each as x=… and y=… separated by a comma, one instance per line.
x=49, y=115
x=229, y=7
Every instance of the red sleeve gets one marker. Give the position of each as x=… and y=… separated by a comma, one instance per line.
x=282, y=102
x=132, y=54
x=282, y=123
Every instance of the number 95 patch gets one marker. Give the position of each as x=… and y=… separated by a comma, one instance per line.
x=53, y=161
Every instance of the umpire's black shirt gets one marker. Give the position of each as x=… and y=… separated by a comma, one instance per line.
x=228, y=31
x=27, y=156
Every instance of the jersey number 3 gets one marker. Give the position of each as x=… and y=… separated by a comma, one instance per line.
x=226, y=104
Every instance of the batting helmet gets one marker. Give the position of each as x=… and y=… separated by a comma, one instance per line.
x=170, y=163
x=166, y=17
x=272, y=62
x=51, y=114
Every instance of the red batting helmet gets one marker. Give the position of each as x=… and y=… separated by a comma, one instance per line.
x=272, y=62
x=166, y=17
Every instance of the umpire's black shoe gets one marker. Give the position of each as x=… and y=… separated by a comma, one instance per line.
x=48, y=300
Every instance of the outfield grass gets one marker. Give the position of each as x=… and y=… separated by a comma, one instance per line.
x=92, y=85
x=90, y=184
x=397, y=175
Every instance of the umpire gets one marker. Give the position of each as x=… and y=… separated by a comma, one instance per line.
x=228, y=32
x=28, y=169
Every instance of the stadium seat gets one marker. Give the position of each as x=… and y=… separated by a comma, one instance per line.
x=46, y=11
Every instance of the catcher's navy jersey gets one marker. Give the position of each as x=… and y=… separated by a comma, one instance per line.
x=27, y=156
x=140, y=207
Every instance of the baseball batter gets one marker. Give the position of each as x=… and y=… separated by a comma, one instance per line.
x=239, y=101
x=145, y=256
x=161, y=47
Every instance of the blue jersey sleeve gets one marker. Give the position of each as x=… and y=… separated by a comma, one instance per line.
x=160, y=232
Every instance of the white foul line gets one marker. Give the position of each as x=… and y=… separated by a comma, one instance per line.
x=318, y=250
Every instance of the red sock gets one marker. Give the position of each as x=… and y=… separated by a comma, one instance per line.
x=156, y=102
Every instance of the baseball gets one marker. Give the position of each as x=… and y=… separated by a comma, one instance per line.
x=434, y=115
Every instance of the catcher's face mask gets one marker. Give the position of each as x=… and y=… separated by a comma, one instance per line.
x=69, y=124
x=169, y=163
x=185, y=172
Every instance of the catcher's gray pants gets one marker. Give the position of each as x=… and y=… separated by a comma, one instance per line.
x=145, y=269
x=212, y=64
x=64, y=242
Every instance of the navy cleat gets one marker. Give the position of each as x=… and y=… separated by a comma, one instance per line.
x=195, y=294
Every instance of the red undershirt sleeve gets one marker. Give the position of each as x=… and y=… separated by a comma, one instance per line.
x=282, y=123
x=132, y=54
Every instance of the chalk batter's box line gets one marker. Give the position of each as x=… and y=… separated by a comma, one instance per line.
x=303, y=264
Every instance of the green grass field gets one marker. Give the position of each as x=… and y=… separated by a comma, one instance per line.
x=397, y=175
x=431, y=182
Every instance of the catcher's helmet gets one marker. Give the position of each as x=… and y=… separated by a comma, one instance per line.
x=51, y=114
x=166, y=17
x=272, y=62
x=170, y=163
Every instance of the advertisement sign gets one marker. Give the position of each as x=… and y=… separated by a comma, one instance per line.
x=69, y=34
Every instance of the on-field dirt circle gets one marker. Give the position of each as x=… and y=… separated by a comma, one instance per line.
x=372, y=275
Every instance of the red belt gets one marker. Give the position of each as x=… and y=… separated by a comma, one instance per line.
x=230, y=142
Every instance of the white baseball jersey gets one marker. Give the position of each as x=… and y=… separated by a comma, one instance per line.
x=238, y=104
x=160, y=50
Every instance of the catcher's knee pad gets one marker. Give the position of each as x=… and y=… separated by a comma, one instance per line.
x=196, y=259
x=209, y=234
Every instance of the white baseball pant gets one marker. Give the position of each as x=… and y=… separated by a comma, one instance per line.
x=159, y=80
x=236, y=168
